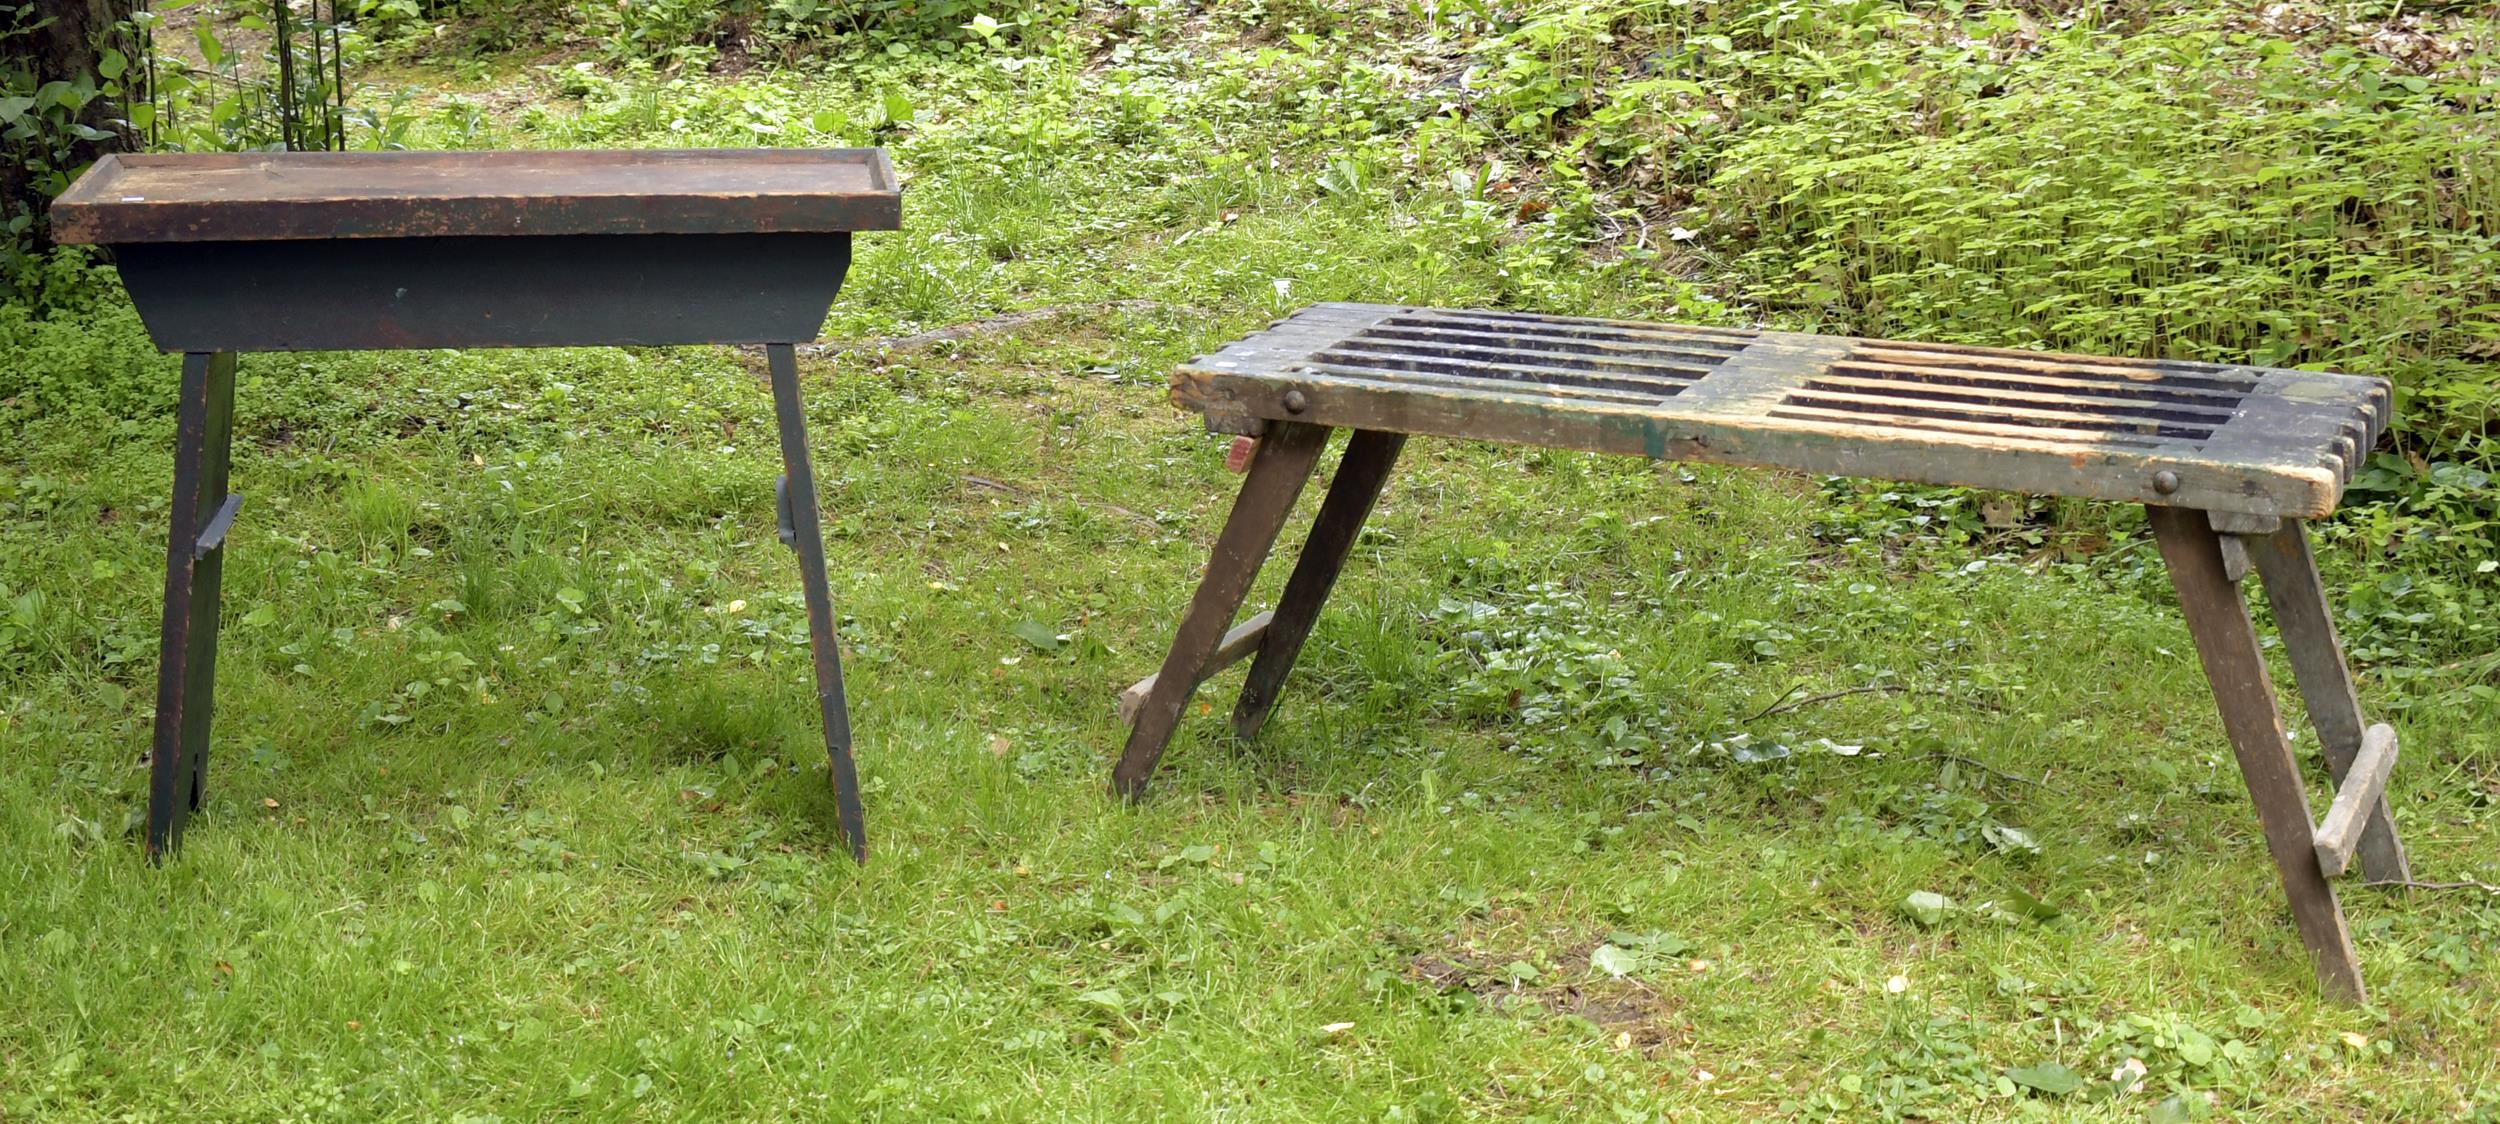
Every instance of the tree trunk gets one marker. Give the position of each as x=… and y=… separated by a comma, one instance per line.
x=71, y=37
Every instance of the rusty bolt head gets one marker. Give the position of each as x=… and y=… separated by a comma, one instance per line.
x=2165, y=482
x=1295, y=402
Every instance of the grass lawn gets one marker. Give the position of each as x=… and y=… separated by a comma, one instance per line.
x=518, y=809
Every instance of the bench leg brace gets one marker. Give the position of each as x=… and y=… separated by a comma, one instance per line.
x=195, y=556
x=1361, y=474
x=1286, y=456
x=2227, y=644
x=2290, y=575
x=796, y=498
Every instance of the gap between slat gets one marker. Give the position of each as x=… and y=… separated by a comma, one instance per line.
x=2000, y=415
x=1640, y=396
x=2048, y=403
x=1693, y=363
x=2130, y=389
x=2081, y=440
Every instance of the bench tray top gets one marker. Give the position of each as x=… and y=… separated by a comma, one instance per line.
x=2252, y=440
x=270, y=196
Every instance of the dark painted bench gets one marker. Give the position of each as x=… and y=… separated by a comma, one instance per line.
x=2229, y=462
x=308, y=251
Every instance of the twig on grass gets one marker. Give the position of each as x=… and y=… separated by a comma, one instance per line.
x=1783, y=705
x=1143, y=523
x=1990, y=769
x=2460, y=884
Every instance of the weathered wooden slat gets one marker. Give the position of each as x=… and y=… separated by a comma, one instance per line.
x=1501, y=341
x=1555, y=352
x=2026, y=392
x=1239, y=644
x=2058, y=363
x=2169, y=390
x=1527, y=361
x=1995, y=405
x=1289, y=340
x=1525, y=369
x=1882, y=403
x=2067, y=436
x=1602, y=391
x=2356, y=800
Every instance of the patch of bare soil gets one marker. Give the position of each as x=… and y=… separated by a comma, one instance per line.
x=1636, y=1015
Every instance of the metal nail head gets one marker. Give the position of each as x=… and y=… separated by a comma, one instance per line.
x=1295, y=402
x=2165, y=482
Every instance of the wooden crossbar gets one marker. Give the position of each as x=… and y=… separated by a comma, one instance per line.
x=2339, y=835
x=1238, y=645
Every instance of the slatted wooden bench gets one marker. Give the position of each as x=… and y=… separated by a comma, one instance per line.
x=2229, y=462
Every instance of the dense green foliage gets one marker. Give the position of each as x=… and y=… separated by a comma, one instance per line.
x=77, y=351
x=697, y=33
x=517, y=811
x=271, y=77
x=2283, y=189
x=2208, y=186
x=59, y=97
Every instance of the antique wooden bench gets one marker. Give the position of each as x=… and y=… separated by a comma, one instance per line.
x=308, y=251
x=2228, y=461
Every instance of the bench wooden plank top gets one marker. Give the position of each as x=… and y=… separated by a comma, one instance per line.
x=2253, y=440
x=268, y=196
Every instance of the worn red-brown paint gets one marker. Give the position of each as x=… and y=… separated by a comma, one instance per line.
x=272, y=196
